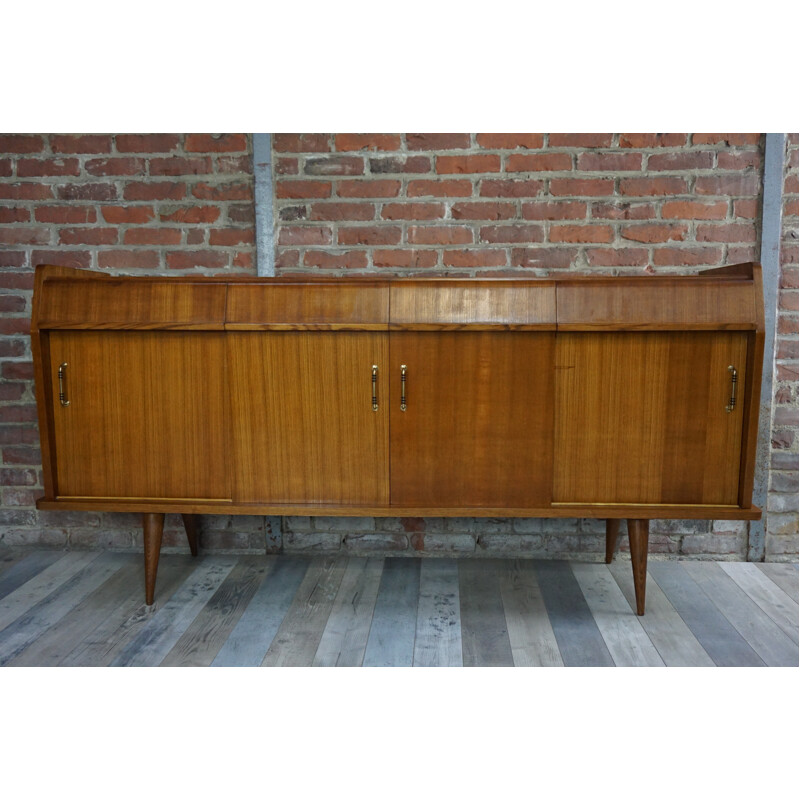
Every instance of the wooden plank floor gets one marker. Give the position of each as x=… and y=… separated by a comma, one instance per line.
x=87, y=609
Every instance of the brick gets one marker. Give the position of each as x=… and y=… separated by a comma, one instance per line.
x=652, y=139
x=5, y=168
x=287, y=259
x=18, y=477
x=413, y=211
x=342, y=211
x=580, y=139
x=787, y=301
x=783, y=439
x=785, y=417
x=18, y=434
x=623, y=211
x=368, y=141
x=11, y=392
x=688, y=256
x=187, y=214
x=17, y=280
x=178, y=165
x=581, y=233
x=354, y=259
x=11, y=215
x=740, y=160
x=243, y=260
x=12, y=348
x=730, y=232
x=231, y=237
x=368, y=188
x=613, y=162
x=155, y=190
x=88, y=191
x=303, y=235
x=293, y=213
x=443, y=542
x=47, y=167
x=25, y=191
x=732, y=139
x=507, y=234
x=510, y=543
x=790, y=184
x=102, y=167
x=311, y=542
x=128, y=259
x=404, y=259
x=744, y=184
x=746, y=208
x=618, y=257
x=17, y=413
x=22, y=455
x=510, y=141
x=539, y=162
x=694, y=209
x=87, y=143
x=64, y=258
x=375, y=542
x=783, y=482
x=301, y=142
x=654, y=233
x=483, y=211
x=242, y=213
x=215, y=142
x=11, y=326
x=299, y=190
x=18, y=370
x=442, y=188
x=231, y=164
x=587, y=187
x=653, y=186
x=543, y=257
x=396, y=164
x=147, y=142
x=235, y=190
x=11, y=304
x=87, y=236
x=511, y=188
x=789, y=278
x=438, y=234
x=127, y=215
x=20, y=497
x=378, y=235
x=669, y=162
x=334, y=165
x=152, y=236
x=474, y=258
x=451, y=165
x=20, y=143
x=71, y=214
x=437, y=141
x=24, y=236
x=286, y=166
x=189, y=259
x=556, y=210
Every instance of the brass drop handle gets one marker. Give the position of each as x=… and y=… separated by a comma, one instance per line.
x=734, y=378
x=62, y=393
x=374, y=387
x=403, y=387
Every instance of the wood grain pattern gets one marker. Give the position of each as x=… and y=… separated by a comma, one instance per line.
x=304, y=429
x=478, y=426
x=429, y=305
x=131, y=303
x=640, y=417
x=784, y=576
x=273, y=304
x=21, y=570
x=146, y=418
x=437, y=641
x=656, y=303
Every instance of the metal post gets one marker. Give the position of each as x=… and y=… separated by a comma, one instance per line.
x=265, y=228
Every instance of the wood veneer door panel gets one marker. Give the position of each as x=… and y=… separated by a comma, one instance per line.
x=146, y=416
x=303, y=426
x=478, y=426
x=640, y=417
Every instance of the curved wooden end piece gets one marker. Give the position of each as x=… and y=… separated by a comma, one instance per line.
x=638, y=534
x=153, y=528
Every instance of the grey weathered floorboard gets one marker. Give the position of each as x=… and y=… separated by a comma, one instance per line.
x=719, y=638
x=344, y=639
x=579, y=639
x=438, y=633
x=56, y=605
x=10, y=556
x=665, y=627
x=774, y=647
x=484, y=632
x=298, y=637
x=168, y=624
x=774, y=602
x=21, y=570
x=253, y=634
x=22, y=599
x=784, y=575
x=126, y=620
x=60, y=639
x=394, y=619
x=533, y=643
x=622, y=631
x=203, y=639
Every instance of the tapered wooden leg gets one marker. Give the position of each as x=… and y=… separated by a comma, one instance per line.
x=153, y=526
x=612, y=532
x=638, y=534
x=190, y=523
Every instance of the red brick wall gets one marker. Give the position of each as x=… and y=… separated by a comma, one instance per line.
x=459, y=204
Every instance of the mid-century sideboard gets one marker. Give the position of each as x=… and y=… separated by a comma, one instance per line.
x=610, y=397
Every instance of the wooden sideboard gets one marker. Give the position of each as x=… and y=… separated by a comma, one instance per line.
x=616, y=398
